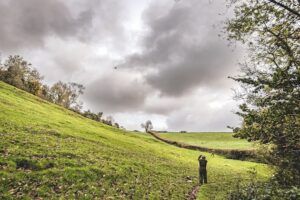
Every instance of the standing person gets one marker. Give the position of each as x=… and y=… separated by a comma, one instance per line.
x=202, y=170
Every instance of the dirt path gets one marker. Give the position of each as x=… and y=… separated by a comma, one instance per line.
x=193, y=194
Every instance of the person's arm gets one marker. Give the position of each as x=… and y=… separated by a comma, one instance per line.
x=199, y=157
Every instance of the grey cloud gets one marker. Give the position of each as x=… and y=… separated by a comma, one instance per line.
x=75, y=40
x=64, y=33
x=116, y=93
x=207, y=112
x=161, y=108
x=156, y=104
x=182, y=50
x=201, y=66
x=27, y=22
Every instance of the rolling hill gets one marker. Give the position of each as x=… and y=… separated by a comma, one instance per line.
x=211, y=140
x=48, y=152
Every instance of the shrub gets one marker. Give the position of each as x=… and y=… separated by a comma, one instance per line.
x=264, y=191
x=27, y=164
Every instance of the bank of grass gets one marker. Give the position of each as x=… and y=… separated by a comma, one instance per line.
x=216, y=140
x=47, y=152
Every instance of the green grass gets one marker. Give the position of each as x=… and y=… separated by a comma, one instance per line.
x=211, y=140
x=50, y=152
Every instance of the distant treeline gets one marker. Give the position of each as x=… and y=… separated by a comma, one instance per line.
x=18, y=72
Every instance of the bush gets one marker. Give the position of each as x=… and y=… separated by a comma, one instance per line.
x=264, y=191
x=26, y=164
x=34, y=165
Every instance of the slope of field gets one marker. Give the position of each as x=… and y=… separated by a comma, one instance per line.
x=210, y=140
x=47, y=152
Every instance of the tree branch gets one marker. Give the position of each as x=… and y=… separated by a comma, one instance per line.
x=286, y=7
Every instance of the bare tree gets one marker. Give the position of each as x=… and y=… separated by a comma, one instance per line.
x=147, y=126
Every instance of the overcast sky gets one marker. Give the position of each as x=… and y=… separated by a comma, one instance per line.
x=138, y=59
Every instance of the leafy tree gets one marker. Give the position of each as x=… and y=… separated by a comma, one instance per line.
x=270, y=79
x=34, y=82
x=97, y=117
x=19, y=73
x=45, y=93
x=117, y=125
x=147, y=126
x=109, y=120
x=2, y=70
x=66, y=94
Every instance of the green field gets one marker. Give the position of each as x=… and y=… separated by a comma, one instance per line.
x=211, y=140
x=48, y=152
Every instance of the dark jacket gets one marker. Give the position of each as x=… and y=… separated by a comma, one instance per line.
x=202, y=164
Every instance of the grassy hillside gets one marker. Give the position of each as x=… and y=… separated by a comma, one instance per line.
x=49, y=152
x=210, y=140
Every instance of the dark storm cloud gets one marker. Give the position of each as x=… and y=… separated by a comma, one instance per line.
x=182, y=49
